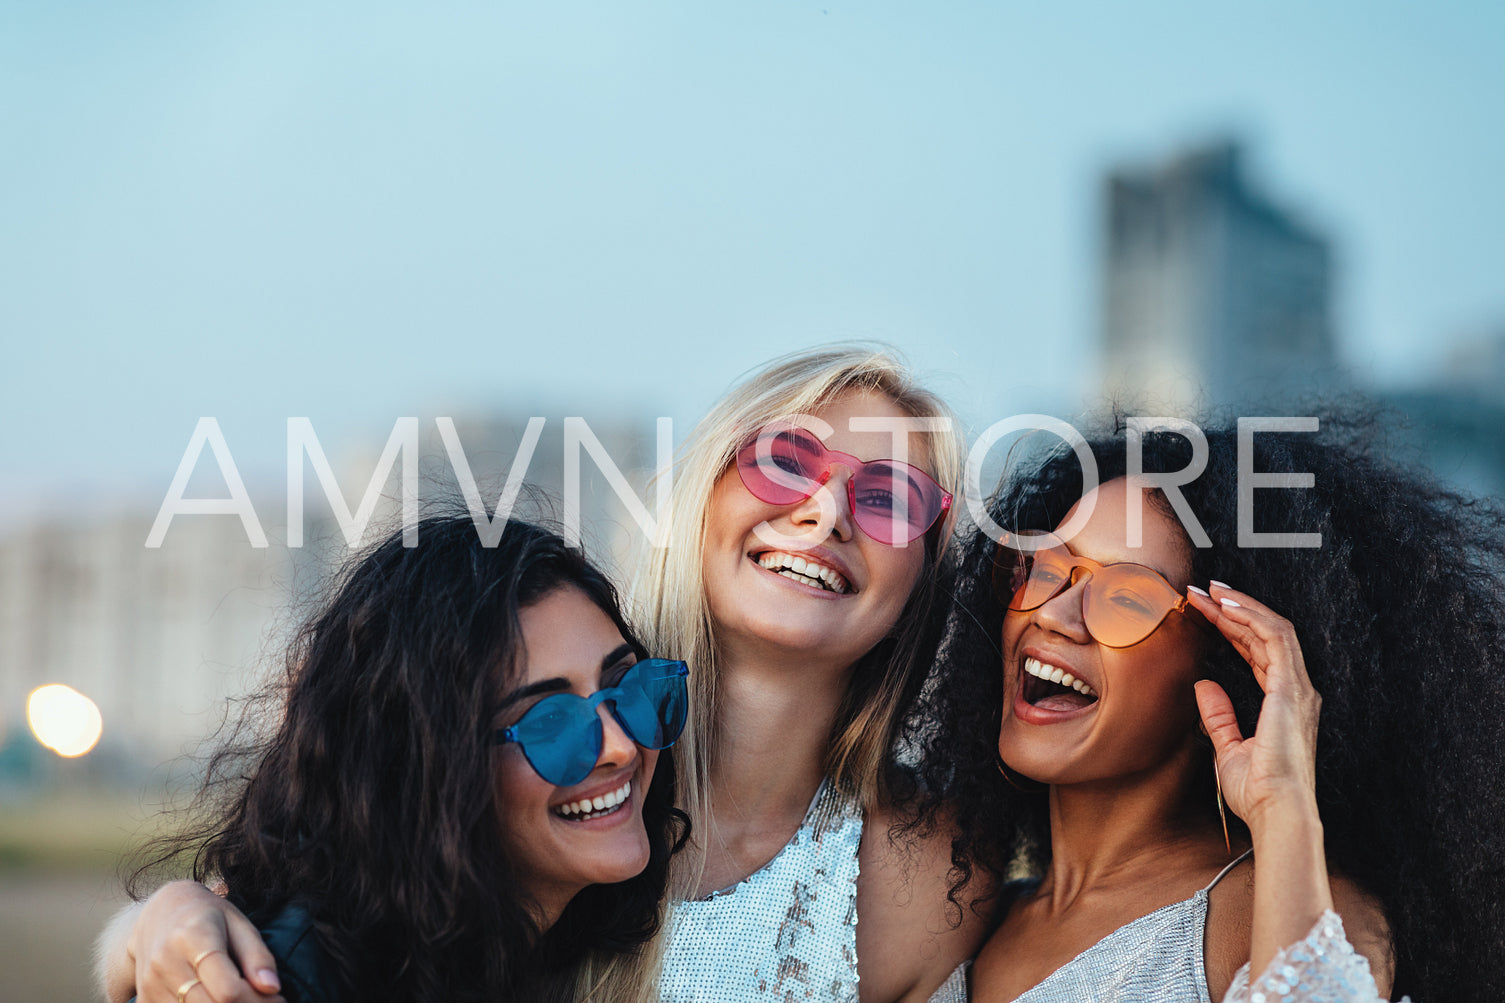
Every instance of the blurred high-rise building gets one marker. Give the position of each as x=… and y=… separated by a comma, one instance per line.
x=1214, y=296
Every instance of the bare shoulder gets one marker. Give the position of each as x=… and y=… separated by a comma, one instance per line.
x=911, y=935
x=1367, y=928
x=1230, y=925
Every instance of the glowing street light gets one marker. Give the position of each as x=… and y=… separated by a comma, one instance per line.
x=63, y=719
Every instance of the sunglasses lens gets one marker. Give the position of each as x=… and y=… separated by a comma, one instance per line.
x=894, y=503
x=651, y=702
x=1124, y=603
x=1030, y=579
x=782, y=465
x=561, y=736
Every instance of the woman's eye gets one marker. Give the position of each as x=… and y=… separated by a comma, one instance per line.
x=544, y=716
x=613, y=677
x=1044, y=574
x=789, y=463
x=876, y=498
x=1130, y=601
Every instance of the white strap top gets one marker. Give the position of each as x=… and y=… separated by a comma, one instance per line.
x=1157, y=958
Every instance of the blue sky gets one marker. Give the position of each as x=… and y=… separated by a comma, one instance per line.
x=360, y=211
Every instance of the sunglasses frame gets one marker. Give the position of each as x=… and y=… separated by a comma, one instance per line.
x=608, y=695
x=1010, y=562
x=930, y=488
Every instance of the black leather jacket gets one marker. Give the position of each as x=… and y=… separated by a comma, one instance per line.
x=302, y=966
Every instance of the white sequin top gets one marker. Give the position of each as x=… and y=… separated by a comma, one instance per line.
x=785, y=934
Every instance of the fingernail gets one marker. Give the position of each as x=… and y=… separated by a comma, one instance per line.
x=1221, y=585
x=1200, y=592
x=268, y=977
x=1229, y=602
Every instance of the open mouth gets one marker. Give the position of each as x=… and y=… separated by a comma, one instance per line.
x=804, y=571
x=596, y=807
x=1050, y=687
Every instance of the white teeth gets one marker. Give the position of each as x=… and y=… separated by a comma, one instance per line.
x=1054, y=674
x=597, y=806
x=806, y=572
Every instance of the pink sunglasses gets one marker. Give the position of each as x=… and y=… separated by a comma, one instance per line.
x=892, y=502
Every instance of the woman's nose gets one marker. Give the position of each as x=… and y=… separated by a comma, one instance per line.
x=834, y=485
x=617, y=747
x=1063, y=613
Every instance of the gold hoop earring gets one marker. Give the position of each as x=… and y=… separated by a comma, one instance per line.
x=1222, y=812
x=1004, y=771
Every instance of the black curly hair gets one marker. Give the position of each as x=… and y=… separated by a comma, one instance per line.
x=1401, y=617
x=373, y=807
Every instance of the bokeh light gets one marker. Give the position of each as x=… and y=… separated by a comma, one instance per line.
x=63, y=719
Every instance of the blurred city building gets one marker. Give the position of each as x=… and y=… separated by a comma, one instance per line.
x=1213, y=295
x=1216, y=299
x=161, y=638
x=1455, y=418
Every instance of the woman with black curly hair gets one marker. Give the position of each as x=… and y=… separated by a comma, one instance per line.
x=460, y=799
x=1084, y=767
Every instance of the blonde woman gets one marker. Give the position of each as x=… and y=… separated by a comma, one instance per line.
x=809, y=620
x=802, y=583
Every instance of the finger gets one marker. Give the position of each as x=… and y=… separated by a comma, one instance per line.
x=1234, y=630
x=251, y=952
x=1218, y=717
x=1221, y=590
x=1269, y=618
x=1268, y=641
x=224, y=982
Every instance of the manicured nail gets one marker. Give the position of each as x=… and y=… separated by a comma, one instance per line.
x=1200, y=592
x=1221, y=585
x=267, y=977
x=1229, y=602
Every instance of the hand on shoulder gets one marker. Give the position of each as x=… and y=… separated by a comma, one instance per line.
x=186, y=935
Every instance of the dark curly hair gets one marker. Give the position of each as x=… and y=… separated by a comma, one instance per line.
x=372, y=805
x=1401, y=617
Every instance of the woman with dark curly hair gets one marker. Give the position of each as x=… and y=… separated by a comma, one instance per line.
x=1084, y=767
x=460, y=799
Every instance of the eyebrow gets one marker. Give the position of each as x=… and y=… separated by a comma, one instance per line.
x=799, y=438
x=894, y=473
x=558, y=683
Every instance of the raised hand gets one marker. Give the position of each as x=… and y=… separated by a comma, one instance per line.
x=1270, y=778
x=1277, y=764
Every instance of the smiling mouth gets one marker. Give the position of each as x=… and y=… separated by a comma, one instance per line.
x=1050, y=687
x=596, y=807
x=804, y=571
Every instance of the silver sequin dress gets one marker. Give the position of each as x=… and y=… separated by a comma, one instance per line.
x=1158, y=959
x=785, y=934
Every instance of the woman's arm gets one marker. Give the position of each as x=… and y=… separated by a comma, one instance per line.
x=1269, y=780
x=182, y=945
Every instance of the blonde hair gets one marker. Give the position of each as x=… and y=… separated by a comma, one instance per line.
x=673, y=614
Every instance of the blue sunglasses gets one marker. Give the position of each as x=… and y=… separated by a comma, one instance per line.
x=561, y=734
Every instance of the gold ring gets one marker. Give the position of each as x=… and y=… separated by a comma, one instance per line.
x=196, y=962
x=185, y=988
